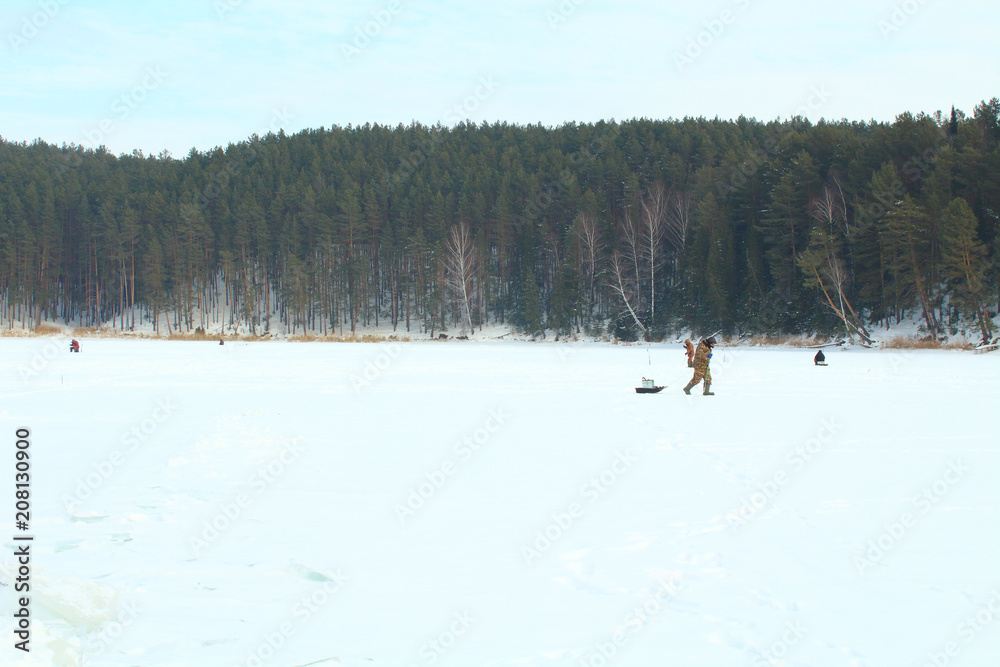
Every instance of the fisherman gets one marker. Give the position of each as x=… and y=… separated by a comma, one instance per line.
x=702, y=357
x=74, y=345
x=689, y=348
x=820, y=359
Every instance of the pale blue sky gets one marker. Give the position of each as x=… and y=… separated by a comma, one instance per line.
x=201, y=73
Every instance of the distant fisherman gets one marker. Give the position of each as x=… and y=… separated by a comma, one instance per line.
x=702, y=357
x=820, y=359
x=689, y=349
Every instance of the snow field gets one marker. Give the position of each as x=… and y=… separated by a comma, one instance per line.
x=503, y=504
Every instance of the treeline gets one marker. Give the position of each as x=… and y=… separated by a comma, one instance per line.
x=637, y=228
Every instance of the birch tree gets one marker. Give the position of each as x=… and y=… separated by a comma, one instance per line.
x=653, y=226
x=460, y=262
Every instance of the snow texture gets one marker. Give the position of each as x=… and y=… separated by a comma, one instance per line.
x=470, y=504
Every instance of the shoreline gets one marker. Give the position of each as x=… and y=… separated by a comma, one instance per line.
x=801, y=341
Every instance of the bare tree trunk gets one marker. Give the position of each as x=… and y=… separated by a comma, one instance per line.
x=922, y=296
x=833, y=269
x=619, y=286
x=830, y=209
x=858, y=328
x=678, y=223
x=654, y=214
x=631, y=236
x=591, y=242
x=460, y=261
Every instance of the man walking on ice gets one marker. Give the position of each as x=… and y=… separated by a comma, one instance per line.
x=702, y=356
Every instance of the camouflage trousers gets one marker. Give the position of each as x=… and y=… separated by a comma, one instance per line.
x=700, y=375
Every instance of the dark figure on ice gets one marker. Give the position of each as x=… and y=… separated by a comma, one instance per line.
x=689, y=348
x=702, y=357
x=74, y=345
x=820, y=359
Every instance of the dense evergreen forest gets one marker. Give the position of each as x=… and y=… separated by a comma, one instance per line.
x=635, y=229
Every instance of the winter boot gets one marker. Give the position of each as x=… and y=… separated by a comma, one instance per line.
x=708, y=390
x=687, y=389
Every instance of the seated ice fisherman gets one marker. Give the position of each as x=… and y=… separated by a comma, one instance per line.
x=820, y=358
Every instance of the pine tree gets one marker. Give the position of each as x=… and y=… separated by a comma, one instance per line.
x=714, y=236
x=787, y=223
x=964, y=263
x=531, y=304
x=151, y=279
x=567, y=293
x=910, y=242
x=316, y=228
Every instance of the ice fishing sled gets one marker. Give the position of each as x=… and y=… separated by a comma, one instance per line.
x=649, y=387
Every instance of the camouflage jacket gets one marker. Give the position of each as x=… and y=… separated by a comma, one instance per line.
x=701, y=357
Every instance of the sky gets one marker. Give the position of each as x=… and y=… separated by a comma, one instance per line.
x=186, y=74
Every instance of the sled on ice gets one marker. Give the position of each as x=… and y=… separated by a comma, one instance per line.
x=649, y=387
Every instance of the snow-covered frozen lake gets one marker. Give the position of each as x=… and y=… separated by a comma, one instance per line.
x=421, y=504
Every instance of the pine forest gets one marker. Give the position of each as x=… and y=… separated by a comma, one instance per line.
x=632, y=229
